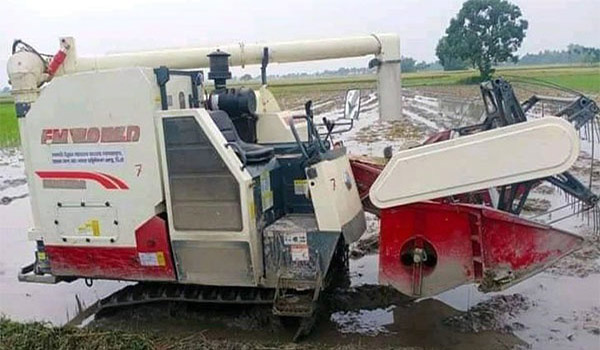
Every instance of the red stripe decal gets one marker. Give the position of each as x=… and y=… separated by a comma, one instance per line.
x=120, y=263
x=83, y=175
x=122, y=185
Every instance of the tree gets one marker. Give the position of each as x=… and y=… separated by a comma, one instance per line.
x=6, y=89
x=587, y=54
x=407, y=64
x=448, y=58
x=246, y=77
x=484, y=33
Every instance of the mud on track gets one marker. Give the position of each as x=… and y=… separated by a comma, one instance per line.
x=403, y=326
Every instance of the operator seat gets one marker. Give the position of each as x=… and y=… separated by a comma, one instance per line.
x=252, y=152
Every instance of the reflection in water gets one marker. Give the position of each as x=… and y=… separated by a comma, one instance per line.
x=30, y=301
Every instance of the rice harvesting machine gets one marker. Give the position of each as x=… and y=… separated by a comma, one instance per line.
x=137, y=172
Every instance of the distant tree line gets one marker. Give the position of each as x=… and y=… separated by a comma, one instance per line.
x=409, y=64
x=572, y=55
x=343, y=71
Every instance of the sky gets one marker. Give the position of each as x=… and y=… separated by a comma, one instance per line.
x=131, y=25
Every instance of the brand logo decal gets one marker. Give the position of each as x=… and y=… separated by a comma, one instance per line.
x=105, y=134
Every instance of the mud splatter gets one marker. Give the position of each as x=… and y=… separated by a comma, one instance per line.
x=364, y=246
x=365, y=297
x=581, y=263
x=491, y=315
x=369, y=242
x=537, y=205
x=364, y=322
x=544, y=189
x=6, y=200
x=9, y=183
x=390, y=131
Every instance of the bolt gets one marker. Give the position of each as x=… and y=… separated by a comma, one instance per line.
x=419, y=256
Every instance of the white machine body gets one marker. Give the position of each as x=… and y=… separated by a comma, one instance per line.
x=116, y=193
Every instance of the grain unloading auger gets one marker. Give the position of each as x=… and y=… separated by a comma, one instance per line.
x=135, y=173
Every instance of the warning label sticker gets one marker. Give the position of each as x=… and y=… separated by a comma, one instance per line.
x=152, y=259
x=265, y=190
x=294, y=238
x=299, y=252
x=90, y=227
x=300, y=187
x=91, y=156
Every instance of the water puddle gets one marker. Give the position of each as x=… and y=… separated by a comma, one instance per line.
x=364, y=322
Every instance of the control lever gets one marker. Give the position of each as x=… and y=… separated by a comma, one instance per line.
x=329, y=125
x=312, y=130
x=309, y=116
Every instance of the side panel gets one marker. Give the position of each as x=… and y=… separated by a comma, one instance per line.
x=94, y=176
x=204, y=193
x=210, y=200
x=92, y=153
x=150, y=259
x=274, y=128
x=429, y=247
x=335, y=196
x=295, y=248
x=444, y=235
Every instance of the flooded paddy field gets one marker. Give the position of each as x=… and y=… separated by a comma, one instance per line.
x=556, y=309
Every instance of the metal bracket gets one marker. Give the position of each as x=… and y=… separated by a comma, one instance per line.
x=27, y=274
x=263, y=66
x=22, y=108
x=574, y=187
x=163, y=75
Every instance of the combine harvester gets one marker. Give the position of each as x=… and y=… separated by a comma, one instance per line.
x=136, y=173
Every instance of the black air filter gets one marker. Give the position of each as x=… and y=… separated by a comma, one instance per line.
x=219, y=68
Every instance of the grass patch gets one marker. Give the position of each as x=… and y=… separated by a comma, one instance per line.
x=41, y=336
x=582, y=78
x=9, y=129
